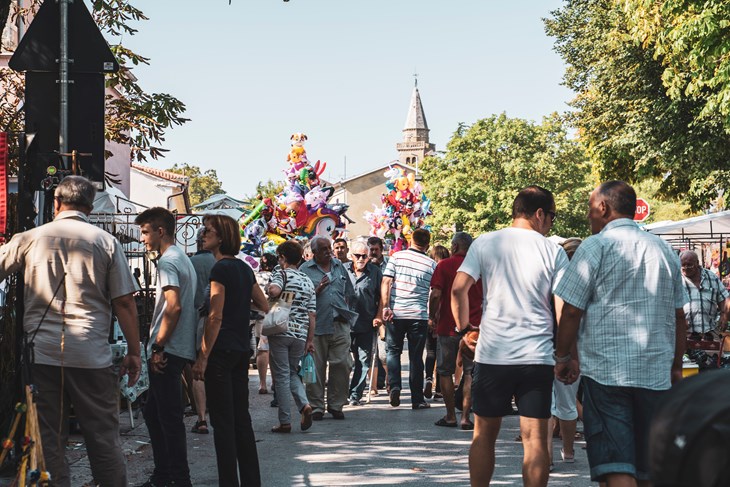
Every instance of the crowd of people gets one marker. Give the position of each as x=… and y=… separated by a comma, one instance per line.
x=508, y=317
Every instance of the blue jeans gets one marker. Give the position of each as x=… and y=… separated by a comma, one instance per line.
x=362, y=352
x=616, y=421
x=415, y=331
x=163, y=414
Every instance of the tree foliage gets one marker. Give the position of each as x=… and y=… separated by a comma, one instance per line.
x=134, y=116
x=203, y=185
x=472, y=186
x=692, y=41
x=633, y=126
x=268, y=189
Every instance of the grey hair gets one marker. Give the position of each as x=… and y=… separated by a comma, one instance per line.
x=315, y=242
x=358, y=244
x=685, y=253
x=462, y=240
x=76, y=191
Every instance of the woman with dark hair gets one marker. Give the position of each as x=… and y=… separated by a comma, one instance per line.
x=287, y=349
x=223, y=359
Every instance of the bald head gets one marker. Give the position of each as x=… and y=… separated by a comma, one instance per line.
x=690, y=264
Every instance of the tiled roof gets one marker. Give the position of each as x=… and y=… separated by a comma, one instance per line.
x=160, y=173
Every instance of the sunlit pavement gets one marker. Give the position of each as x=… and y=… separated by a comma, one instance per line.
x=375, y=445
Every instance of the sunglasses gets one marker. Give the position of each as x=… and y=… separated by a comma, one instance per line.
x=360, y=256
x=206, y=231
x=553, y=216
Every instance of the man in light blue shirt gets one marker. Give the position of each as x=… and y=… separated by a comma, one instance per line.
x=626, y=284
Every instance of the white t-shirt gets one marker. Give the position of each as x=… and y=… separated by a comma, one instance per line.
x=519, y=270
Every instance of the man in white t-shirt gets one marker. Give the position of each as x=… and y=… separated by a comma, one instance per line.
x=519, y=269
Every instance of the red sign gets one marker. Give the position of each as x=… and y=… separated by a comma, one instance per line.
x=3, y=185
x=642, y=210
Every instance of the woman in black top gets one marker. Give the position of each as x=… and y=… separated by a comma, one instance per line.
x=223, y=359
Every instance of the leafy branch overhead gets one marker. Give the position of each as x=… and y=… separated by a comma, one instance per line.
x=133, y=116
x=651, y=81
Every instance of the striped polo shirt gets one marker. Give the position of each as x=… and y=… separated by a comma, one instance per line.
x=411, y=271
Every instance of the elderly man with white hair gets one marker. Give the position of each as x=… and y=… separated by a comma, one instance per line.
x=366, y=278
x=708, y=304
x=332, y=332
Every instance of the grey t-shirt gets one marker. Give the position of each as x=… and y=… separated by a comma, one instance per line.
x=174, y=269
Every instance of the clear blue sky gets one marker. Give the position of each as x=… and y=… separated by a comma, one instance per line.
x=254, y=72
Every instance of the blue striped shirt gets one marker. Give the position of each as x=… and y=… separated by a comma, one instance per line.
x=629, y=284
x=411, y=272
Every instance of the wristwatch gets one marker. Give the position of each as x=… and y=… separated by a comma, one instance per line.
x=561, y=360
x=461, y=333
x=157, y=348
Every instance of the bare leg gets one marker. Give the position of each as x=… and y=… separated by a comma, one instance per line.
x=481, y=453
x=567, y=432
x=447, y=389
x=466, y=405
x=621, y=480
x=199, y=395
x=262, y=365
x=534, y=441
x=551, y=426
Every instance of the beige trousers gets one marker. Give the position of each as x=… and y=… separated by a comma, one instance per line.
x=332, y=350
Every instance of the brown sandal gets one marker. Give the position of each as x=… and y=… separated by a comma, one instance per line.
x=282, y=428
x=201, y=427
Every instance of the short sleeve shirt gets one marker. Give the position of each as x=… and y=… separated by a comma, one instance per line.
x=238, y=280
x=367, y=295
x=88, y=267
x=411, y=272
x=519, y=269
x=705, y=302
x=629, y=284
x=174, y=269
x=304, y=301
x=443, y=278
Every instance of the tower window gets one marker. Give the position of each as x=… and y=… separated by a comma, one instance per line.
x=408, y=160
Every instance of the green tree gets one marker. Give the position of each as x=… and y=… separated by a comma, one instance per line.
x=135, y=117
x=472, y=186
x=692, y=41
x=267, y=189
x=203, y=185
x=631, y=126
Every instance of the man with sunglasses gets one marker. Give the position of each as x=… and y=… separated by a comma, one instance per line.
x=519, y=269
x=366, y=279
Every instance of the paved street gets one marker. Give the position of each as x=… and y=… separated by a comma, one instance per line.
x=374, y=445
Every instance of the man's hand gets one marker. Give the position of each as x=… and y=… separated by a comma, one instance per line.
x=131, y=366
x=309, y=346
x=377, y=322
x=199, y=367
x=323, y=283
x=567, y=372
x=387, y=315
x=676, y=374
x=158, y=362
x=432, y=324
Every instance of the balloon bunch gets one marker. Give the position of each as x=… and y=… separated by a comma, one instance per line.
x=404, y=208
x=300, y=210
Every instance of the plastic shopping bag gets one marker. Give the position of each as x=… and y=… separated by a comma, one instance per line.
x=306, y=369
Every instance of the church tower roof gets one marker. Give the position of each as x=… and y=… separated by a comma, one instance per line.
x=416, y=117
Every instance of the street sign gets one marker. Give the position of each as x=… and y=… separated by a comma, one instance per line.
x=642, y=210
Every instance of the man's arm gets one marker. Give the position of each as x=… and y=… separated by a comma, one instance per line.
x=680, y=342
x=724, y=313
x=434, y=306
x=126, y=311
x=385, y=288
x=568, y=325
x=460, y=299
x=171, y=314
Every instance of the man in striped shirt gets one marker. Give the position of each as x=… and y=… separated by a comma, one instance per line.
x=404, y=293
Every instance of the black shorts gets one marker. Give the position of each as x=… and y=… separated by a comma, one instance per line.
x=493, y=386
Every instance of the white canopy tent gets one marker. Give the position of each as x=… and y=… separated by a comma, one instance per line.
x=692, y=232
